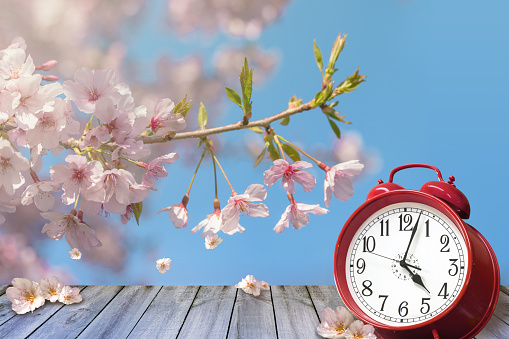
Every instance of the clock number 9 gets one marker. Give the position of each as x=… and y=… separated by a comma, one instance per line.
x=403, y=309
x=361, y=266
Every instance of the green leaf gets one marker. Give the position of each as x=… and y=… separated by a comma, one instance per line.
x=336, y=49
x=260, y=157
x=285, y=121
x=274, y=154
x=246, y=84
x=335, y=128
x=137, y=208
x=183, y=107
x=234, y=96
x=202, y=116
x=324, y=95
x=294, y=102
x=292, y=152
x=318, y=57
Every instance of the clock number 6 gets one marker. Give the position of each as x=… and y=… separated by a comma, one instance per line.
x=403, y=309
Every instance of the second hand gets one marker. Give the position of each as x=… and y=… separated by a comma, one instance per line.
x=415, y=267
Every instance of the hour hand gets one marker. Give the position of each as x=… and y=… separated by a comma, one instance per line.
x=416, y=278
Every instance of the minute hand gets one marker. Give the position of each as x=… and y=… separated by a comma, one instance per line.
x=414, y=230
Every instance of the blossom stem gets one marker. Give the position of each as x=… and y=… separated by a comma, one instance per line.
x=280, y=147
x=300, y=150
x=224, y=174
x=76, y=203
x=195, y=171
x=215, y=175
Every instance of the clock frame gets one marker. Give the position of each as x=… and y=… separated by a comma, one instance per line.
x=477, y=298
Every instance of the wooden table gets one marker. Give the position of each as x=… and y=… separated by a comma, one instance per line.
x=192, y=312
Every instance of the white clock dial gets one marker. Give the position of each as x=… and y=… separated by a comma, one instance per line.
x=402, y=277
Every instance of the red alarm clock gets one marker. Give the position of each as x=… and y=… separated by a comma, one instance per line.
x=406, y=263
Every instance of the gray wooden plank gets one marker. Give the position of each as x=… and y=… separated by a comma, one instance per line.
x=6, y=311
x=120, y=316
x=495, y=328
x=252, y=317
x=295, y=315
x=502, y=308
x=325, y=296
x=165, y=315
x=210, y=313
x=70, y=320
x=3, y=288
x=21, y=325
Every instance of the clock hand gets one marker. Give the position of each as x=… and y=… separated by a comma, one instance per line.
x=414, y=230
x=416, y=278
x=415, y=267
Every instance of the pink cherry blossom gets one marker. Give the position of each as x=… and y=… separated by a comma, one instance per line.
x=211, y=224
x=25, y=295
x=163, y=265
x=77, y=233
x=164, y=120
x=338, y=180
x=40, y=193
x=177, y=214
x=8, y=102
x=290, y=173
x=46, y=130
x=154, y=170
x=51, y=288
x=79, y=176
x=334, y=323
x=5, y=209
x=358, y=330
x=243, y=203
x=70, y=295
x=250, y=285
x=89, y=86
x=15, y=64
x=297, y=214
x=12, y=163
x=75, y=254
x=264, y=285
x=212, y=241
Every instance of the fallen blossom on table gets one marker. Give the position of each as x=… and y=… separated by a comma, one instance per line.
x=250, y=285
x=340, y=324
x=51, y=289
x=163, y=265
x=264, y=285
x=25, y=295
x=70, y=295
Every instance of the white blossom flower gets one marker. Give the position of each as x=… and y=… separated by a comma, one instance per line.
x=264, y=285
x=12, y=163
x=177, y=214
x=40, y=193
x=338, y=180
x=163, y=265
x=77, y=233
x=358, y=330
x=51, y=288
x=334, y=323
x=243, y=203
x=5, y=209
x=212, y=241
x=164, y=120
x=75, y=254
x=297, y=214
x=25, y=295
x=250, y=285
x=70, y=295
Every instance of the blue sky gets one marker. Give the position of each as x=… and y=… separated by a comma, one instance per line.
x=435, y=93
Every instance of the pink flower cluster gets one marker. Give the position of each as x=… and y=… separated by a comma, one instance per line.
x=337, y=181
x=340, y=324
x=27, y=295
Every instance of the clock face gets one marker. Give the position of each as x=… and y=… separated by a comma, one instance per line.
x=406, y=264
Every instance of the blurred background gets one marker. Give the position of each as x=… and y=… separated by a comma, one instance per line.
x=436, y=83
